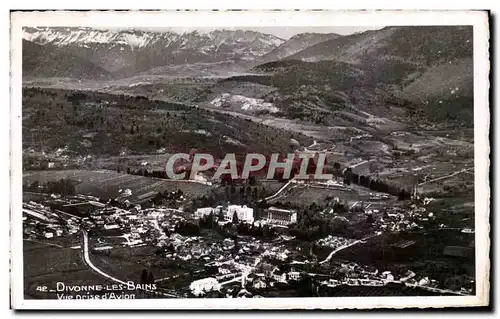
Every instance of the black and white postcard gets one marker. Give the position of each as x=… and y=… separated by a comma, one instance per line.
x=249, y=159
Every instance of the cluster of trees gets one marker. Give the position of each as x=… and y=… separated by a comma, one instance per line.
x=312, y=226
x=256, y=231
x=376, y=185
x=146, y=277
x=167, y=197
x=63, y=187
x=243, y=194
x=144, y=172
x=75, y=97
x=187, y=229
x=210, y=222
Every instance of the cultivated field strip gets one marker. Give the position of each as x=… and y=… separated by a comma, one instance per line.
x=107, y=184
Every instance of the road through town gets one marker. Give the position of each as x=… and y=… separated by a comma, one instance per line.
x=86, y=256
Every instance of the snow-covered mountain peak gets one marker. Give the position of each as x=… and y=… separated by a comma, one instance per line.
x=129, y=51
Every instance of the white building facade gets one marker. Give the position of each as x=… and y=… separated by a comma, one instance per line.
x=245, y=214
x=282, y=217
x=204, y=211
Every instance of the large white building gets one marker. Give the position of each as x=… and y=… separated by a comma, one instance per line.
x=245, y=214
x=278, y=216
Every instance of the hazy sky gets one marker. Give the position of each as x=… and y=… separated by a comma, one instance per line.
x=282, y=32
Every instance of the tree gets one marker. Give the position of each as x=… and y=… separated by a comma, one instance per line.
x=144, y=276
x=252, y=181
x=236, y=220
x=336, y=167
x=34, y=185
x=151, y=278
x=402, y=195
x=220, y=215
x=369, y=219
x=348, y=176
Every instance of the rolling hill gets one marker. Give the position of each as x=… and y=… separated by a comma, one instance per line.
x=49, y=61
x=82, y=123
x=425, y=72
x=296, y=44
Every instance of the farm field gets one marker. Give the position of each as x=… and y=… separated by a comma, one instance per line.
x=46, y=265
x=128, y=263
x=304, y=196
x=107, y=184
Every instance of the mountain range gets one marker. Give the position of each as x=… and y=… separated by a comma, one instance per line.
x=126, y=52
x=430, y=67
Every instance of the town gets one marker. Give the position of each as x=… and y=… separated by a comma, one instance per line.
x=212, y=247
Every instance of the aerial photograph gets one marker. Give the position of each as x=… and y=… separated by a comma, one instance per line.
x=248, y=162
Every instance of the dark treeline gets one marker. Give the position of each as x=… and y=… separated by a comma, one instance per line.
x=235, y=227
x=63, y=187
x=348, y=175
x=76, y=97
x=375, y=185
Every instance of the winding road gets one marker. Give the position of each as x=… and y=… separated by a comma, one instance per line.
x=280, y=190
x=465, y=170
x=86, y=256
x=327, y=259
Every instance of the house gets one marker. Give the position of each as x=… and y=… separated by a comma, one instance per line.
x=334, y=283
x=424, y=281
x=293, y=275
x=259, y=284
x=387, y=275
x=204, y=211
x=279, y=277
x=49, y=235
x=224, y=271
x=201, y=286
x=352, y=282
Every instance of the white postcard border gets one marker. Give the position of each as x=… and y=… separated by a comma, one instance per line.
x=262, y=18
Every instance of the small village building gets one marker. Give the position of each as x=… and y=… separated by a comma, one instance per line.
x=204, y=211
x=294, y=275
x=279, y=277
x=201, y=286
x=259, y=284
